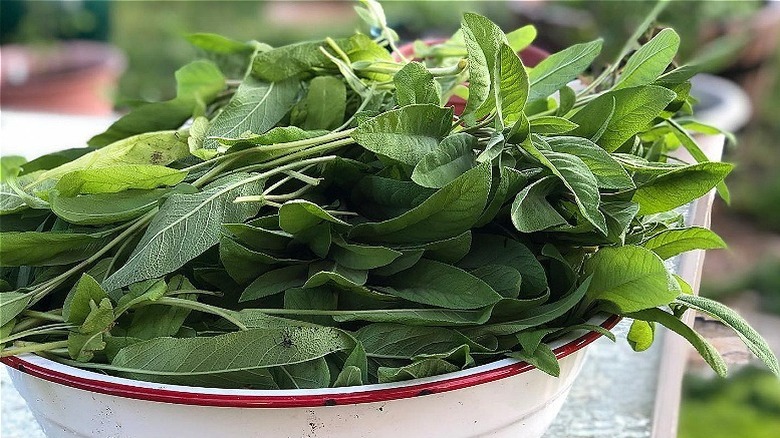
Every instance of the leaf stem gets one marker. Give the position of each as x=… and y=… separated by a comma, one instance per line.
x=32, y=347
x=45, y=316
x=197, y=306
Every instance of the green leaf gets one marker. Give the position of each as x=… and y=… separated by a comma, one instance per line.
x=279, y=134
x=730, y=318
x=255, y=108
x=450, y=211
x=185, y=227
x=441, y=285
x=679, y=186
x=705, y=349
x=672, y=242
x=417, y=370
x=197, y=359
x=557, y=70
x=276, y=281
x=109, y=208
x=12, y=304
x=512, y=254
x=551, y=125
x=405, y=134
x=77, y=307
x=578, y=178
x=325, y=103
x=10, y=165
x=211, y=42
x=513, y=85
x=634, y=109
x=34, y=248
x=453, y=157
x=349, y=376
x=298, y=215
x=534, y=316
x=417, y=317
x=609, y=173
x=521, y=38
x=483, y=41
x=641, y=335
x=117, y=178
x=362, y=257
x=318, y=299
x=542, y=358
x=306, y=375
x=630, y=278
x=396, y=341
x=157, y=321
x=505, y=280
x=198, y=84
x=157, y=148
x=650, y=61
x=414, y=84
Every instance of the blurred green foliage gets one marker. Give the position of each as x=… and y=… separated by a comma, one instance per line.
x=763, y=280
x=747, y=405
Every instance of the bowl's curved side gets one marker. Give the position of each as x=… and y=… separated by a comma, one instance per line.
x=523, y=404
x=50, y=371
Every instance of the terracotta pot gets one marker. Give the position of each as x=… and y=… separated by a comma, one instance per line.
x=531, y=56
x=76, y=77
x=507, y=398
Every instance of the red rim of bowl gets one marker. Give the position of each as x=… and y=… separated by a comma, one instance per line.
x=408, y=390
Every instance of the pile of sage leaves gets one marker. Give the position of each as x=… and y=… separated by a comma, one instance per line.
x=315, y=215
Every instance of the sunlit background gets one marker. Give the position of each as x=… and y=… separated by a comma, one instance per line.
x=100, y=57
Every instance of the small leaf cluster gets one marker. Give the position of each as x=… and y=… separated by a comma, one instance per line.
x=325, y=218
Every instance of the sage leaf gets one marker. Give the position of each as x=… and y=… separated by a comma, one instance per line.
x=453, y=157
x=196, y=359
x=513, y=85
x=441, y=285
x=647, y=63
x=275, y=281
x=641, y=335
x=542, y=358
x=705, y=349
x=634, y=109
x=76, y=307
x=113, y=179
x=362, y=257
x=109, y=208
x=417, y=317
x=298, y=215
x=672, y=242
x=513, y=254
x=551, y=125
x=521, y=38
x=157, y=148
x=730, y=318
x=679, y=186
x=416, y=370
x=11, y=305
x=325, y=103
x=560, y=68
x=185, y=227
x=305, y=375
x=255, y=108
x=630, y=279
x=414, y=84
x=609, y=173
x=450, y=211
x=405, y=134
x=483, y=40
x=34, y=248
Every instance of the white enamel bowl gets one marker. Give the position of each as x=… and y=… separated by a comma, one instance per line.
x=506, y=398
